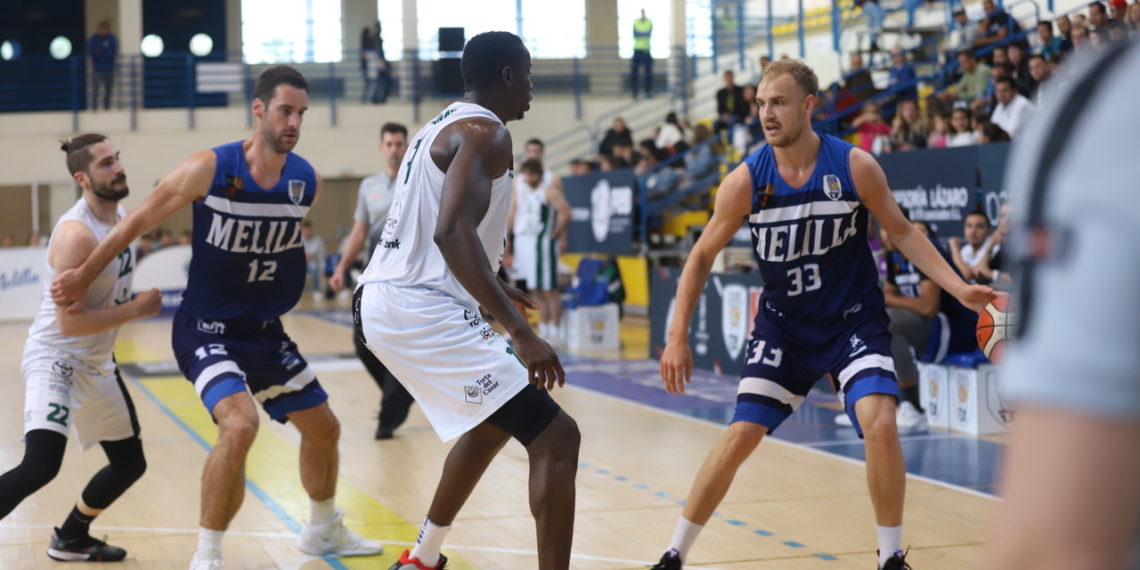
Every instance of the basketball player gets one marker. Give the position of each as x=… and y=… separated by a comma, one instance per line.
x=372, y=205
x=1071, y=477
x=806, y=197
x=418, y=307
x=538, y=218
x=248, y=269
x=69, y=367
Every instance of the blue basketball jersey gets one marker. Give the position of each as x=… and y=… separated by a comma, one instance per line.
x=811, y=243
x=248, y=261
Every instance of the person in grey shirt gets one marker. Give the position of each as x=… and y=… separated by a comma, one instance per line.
x=1072, y=469
x=371, y=215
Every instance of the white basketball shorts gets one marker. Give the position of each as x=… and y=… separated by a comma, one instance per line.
x=536, y=262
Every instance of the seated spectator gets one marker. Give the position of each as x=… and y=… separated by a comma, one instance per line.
x=1117, y=32
x=8, y=241
x=749, y=134
x=939, y=131
x=975, y=78
x=902, y=74
x=999, y=25
x=1040, y=72
x=623, y=154
x=605, y=163
x=961, y=133
x=989, y=133
x=1051, y=44
x=1134, y=18
x=1080, y=20
x=670, y=133
x=1019, y=70
x=617, y=134
x=34, y=240
x=968, y=256
x=579, y=167
x=648, y=147
x=990, y=269
x=999, y=56
x=658, y=181
x=1013, y=110
x=909, y=129
x=874, y=134
x=730, y=104
x=988, y=101
x=1080, y=38
x=185, y=238
x=704, y=160
x=858, y=79
x=1118, y=12
x=1098, y=17
x=965, y=31
x=166, y=238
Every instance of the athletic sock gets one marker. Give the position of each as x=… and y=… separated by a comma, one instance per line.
x=322, y=512
x=77, y=525
x=685, y=536
x=429, y=543
x=911, y=395
x=209, y=544
x=890, y=542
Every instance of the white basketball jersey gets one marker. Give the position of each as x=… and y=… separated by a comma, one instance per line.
x=112, y=287
x=407, y=255
x=533, y=215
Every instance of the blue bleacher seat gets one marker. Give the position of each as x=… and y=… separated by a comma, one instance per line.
x=588, y=290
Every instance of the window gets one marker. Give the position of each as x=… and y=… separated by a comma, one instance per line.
x=554, y=33
x=285, y=31
x=391, y=14
x=474, y=17
x=699, y=27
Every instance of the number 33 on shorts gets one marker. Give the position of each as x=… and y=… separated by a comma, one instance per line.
x=757, y=354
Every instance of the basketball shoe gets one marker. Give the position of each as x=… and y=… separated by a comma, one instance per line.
x=206, y=564
x=909, y=420
x=669, y=561
x=335, y=538
x=86, y=549
x=897, y=561
x=408, y=562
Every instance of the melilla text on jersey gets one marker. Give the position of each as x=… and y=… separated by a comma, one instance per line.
x=801, y=236
x=253, y=236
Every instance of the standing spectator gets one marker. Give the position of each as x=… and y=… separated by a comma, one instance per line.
x=975, y=78
x=939, y=131
x=962, y=134
x=858, y=79
x=377, y=70
x=1050, y=44
x=1013, y=110
x=874, y=16
x=314, y=256
x=1040, y=72
x=902, y=76
x=909, y=129
x=670, y=133
x=103, y=49
x=617, y=134
x=642, y=58
x=968, y=256
x=874, y=134
x=730, y=104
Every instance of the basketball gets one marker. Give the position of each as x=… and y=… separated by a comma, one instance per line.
x=995, y=325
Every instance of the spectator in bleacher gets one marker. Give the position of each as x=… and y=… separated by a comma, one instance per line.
x=902, y=74
x=579, y=167
x=968, y=256
x=961, y=133
x=965, y=33
x=1080, y=20
x=1019, y=62
x=874, y=133
x=34, y=239
x=314, y=256
x=939, y=131
x=1040, y=72
x=858, y=79
x=1098, y=17
x=623, y=154
x=657, y=181
x=103, y=49
x=873, y=13
x=1134, y=18
x=618, y=133
x=185, y=238
x=703, y=163
x=975, y=78
x=1117, y=32
x=730, y=104
x=670, y=133
x=990, y=269
x=909, y=129
x=989, y=132
x=1051, y=44
x=605, y=163
x=8, y=241
x=999, y=56
x=988, y=100
x=998, y=25
x=166, y=238
x=1065, y=30
x=1080, y=38
x=749, y=134
x=646, y=149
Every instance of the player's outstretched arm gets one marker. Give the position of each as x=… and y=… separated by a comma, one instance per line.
x=733, y=206
x=71, y=244
x=871, y=184
x=187, y=183
x=484, y=154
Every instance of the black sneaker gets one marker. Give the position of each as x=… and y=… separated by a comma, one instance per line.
x=385, y=433
x=669, y=561
x=86, y=549
x=897, y=562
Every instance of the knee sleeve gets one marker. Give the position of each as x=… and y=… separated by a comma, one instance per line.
x=127, y=465
x=43, y=454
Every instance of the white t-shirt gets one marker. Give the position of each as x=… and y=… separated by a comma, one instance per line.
x=1014, y=117
x=962, y=139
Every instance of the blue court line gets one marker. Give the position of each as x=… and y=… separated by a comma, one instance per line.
x=825, y=557
x=253, y=488
x=794, y=544
x=763, y=532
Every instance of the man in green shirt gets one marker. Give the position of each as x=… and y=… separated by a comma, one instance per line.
x=642, y=30
x=975, y=77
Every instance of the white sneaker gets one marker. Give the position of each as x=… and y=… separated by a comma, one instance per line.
x=335, y=538
x=844, y=420
x=910, y=420
x=209, y=564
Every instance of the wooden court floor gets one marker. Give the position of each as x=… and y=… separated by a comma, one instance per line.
x=790, y=507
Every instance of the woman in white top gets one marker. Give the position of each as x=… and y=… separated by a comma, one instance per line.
x=962, y=134
x=670, y=133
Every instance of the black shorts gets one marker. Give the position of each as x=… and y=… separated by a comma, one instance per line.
x=526, y=415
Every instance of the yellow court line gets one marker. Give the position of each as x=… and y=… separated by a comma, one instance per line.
x=271, y=467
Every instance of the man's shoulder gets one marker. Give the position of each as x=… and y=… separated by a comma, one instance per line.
x=380, y=180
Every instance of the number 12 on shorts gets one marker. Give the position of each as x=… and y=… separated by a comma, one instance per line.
x=803, y=279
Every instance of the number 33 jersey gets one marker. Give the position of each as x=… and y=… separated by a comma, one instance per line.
x=248, y=260
x=811, y=242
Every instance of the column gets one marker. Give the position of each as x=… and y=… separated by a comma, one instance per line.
x=354, y=15
x=678, y=41
x=410, y=68
x=130, y=26
x=602, y=28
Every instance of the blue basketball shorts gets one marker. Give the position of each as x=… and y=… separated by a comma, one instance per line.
x=780, y=370
x=223, y=358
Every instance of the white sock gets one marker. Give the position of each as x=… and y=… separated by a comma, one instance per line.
x=209, y=544
x=685, y=536
x=890, y=542
x=428, y=544
x=322, y=512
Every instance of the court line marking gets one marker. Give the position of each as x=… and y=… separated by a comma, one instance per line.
x=775, y=439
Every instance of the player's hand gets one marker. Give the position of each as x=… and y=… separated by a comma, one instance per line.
x=564, y=242
x=542, y=366
x=676, y=366
x=336, y=280
x=508, y=261
x=149, y=303
x=69, y=290
x=976, y=297
x=521, y=300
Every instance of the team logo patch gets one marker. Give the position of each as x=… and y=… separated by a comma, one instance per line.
x=766, y=195
x=297, y=191
x=600, y=210
x=233, y=185
x=63, y=369
x=473, y=394
x=734, y=318
x=831, y=186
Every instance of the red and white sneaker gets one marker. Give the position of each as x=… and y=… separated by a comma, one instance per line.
x=408, y=562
